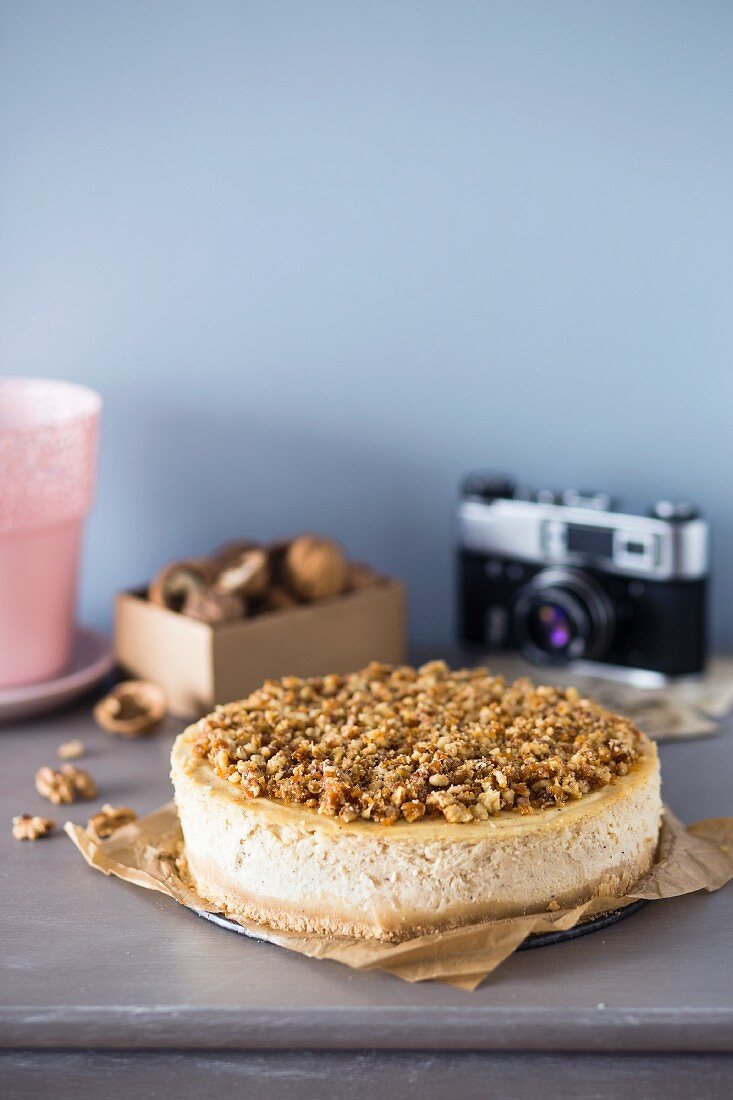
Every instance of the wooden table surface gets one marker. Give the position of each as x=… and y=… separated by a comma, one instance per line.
x=109, y=989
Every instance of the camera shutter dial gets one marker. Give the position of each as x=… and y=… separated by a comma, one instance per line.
x=587, y=498
x=488, y=487
x=674, y=511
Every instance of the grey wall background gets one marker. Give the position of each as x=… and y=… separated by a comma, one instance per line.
x=322, y=258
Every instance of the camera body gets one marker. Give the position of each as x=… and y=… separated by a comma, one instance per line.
x=566, y=578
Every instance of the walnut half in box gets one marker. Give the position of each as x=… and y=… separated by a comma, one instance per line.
x=211, y=630
x=242, y=578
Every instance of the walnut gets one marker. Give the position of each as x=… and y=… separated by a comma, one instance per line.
x=54, y=785
x=84, y=785
x=457, y=813
x=248, y=574
x=109, y=820
x=490, y=799
x=132, y=708
x=359, y=575
x=276, y=553
x=277, y=598
x=173, y=586
x=209, y=606
x=71, y=750
x=439, y=780
x=65, y=785
x=315, y=567
x=230, y=552
x=31, y=827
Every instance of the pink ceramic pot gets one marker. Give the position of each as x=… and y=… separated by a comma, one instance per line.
x=48, y=446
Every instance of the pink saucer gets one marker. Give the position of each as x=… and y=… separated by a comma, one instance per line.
x=91, y=660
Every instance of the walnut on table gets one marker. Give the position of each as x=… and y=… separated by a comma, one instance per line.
x=32, y=827
x=132, y=708
x=54, y=785
x=84, y=785
x=71, y=750
x=65, y=785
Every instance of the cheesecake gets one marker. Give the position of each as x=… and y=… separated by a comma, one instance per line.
x=397, y=801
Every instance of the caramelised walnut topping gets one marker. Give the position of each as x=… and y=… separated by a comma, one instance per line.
x=389, y=743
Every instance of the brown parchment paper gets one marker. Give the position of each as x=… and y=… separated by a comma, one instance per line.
x=696, y=857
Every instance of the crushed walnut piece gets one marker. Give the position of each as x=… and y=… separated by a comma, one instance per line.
x=71, y=750
x=65, y=785
x=109, y=820
x=402, y=743
x=32, y=827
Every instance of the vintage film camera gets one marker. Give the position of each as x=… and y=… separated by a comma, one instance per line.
x=565, y=577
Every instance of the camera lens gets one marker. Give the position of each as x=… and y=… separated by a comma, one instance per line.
x=550, y=627
x=562, y=615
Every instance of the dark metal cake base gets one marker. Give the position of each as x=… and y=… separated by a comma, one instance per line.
x=537, y=939
x=595, y=924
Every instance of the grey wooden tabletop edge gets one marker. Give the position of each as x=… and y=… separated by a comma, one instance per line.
x=482, y=1028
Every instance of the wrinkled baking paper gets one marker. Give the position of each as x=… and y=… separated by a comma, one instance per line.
x=680, y=709
x=699, y=857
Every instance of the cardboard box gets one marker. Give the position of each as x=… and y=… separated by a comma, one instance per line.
x=200, y=665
